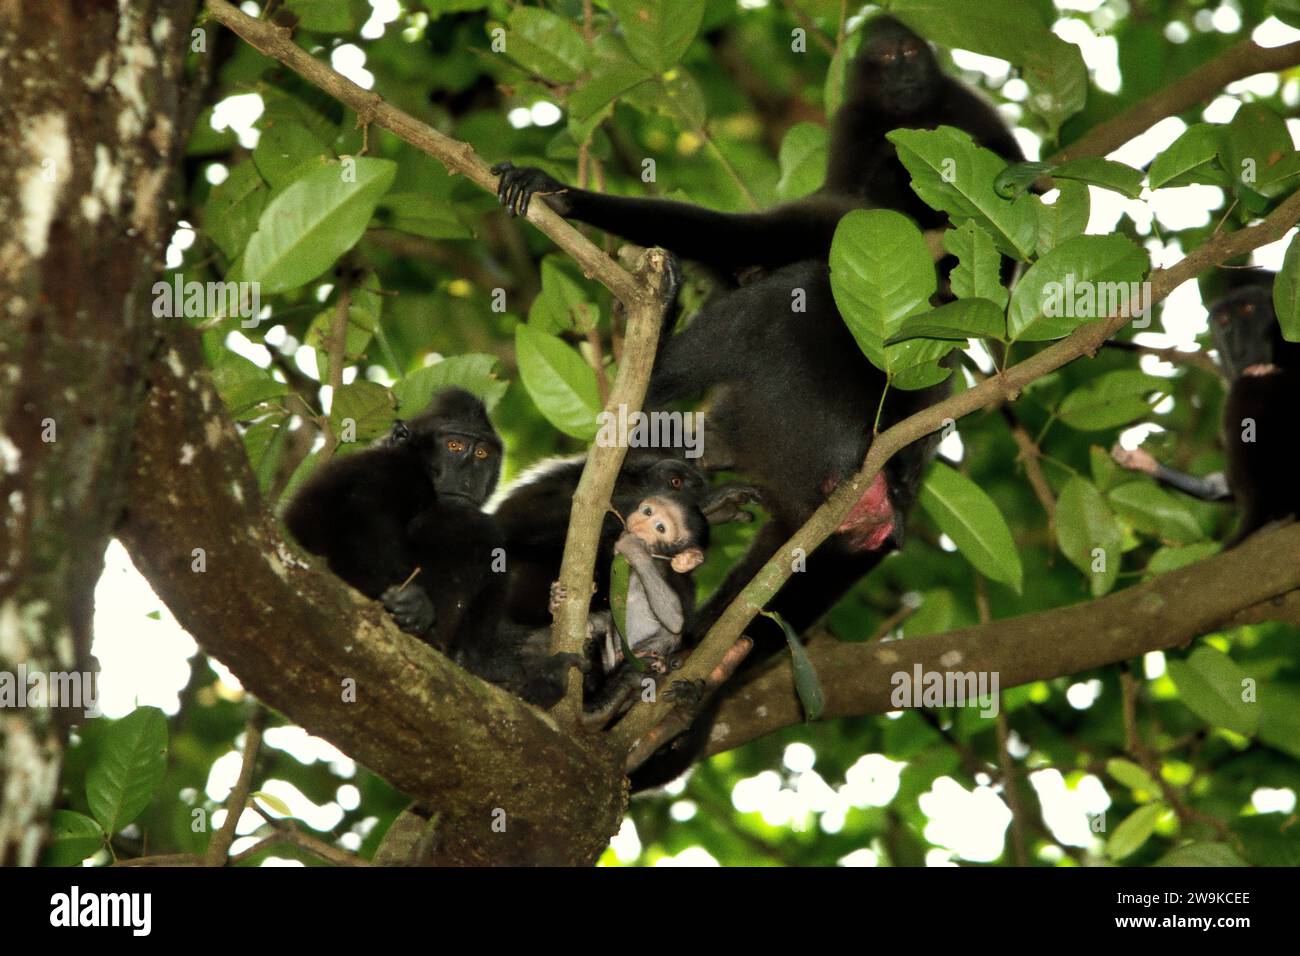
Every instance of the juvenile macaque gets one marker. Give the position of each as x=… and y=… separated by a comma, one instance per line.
x=666, y=535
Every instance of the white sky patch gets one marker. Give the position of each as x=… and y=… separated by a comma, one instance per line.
x=1270, y=256
x=544, y=113
x=143, y=661
x=1153, y=664
x=239, y=113
x=951, y=447
x=1273, y=800
x=626, y=843
x=970, y=822
x=520, y=117
x=1084, y=694
x=319, y=817
x=383, y=13
x=216, y=173
x=683, y=810
x=863, y=857
x=350, y=60
x=1273, y=32
x=1221, y=109
x=1066, y=810
x=1100, y=53
x=1146, y=146
x=872, y=781
x=799, y=757
x=692, y=856
x=993, y=68
x=1131, y=438
x=255, y=352
x=308, y=749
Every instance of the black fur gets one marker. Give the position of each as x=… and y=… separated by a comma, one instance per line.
x=377, y=515
x=894, y=83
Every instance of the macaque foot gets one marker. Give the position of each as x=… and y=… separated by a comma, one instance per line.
x=410, y=608
x=1135, y=460
x=724, y=504
x=560, y=594
x=688, y=693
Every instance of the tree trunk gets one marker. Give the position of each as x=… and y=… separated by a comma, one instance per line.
x=94, y=123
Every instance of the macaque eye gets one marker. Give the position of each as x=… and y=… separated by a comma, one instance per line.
x=481, y=452
x=1248, y=308
x=888, y=56
x=455, y=446
x=660, y=527
x=675, y=481
x=647, y=511
x=911, y=51
x=1221, y=320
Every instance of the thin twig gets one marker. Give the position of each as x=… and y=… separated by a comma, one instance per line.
x=219, y=846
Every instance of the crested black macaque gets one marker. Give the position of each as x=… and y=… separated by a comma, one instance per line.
x=893, y=83
x=665, y=539
x=416, y=502
x=534, y=519
x=1260, y=427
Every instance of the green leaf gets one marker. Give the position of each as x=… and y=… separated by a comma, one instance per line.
x=272, y=801
x=955, y=321
x=285, y=149
x=1083, y=279
x=1200, y=855
x=241, y=383
x=1085, y=524
x=423, y=214
x=1018, y=177
x=546, y=44
x=964, y=512
x=1190, y=159
x=803, y=161
x=1105, y=173
x=1279, y=720
x=658, y=31
x=1171, y=559
x=806, y=683
x=560, y=382
x=473, y=372
x=304, y=230
x=1255, y=145
x=1286, y=293
x=131, y=764
x=1134, y=831
x=367, y=405
x=362, y=323
x=978, y=273
x=1111, y=400
x=620, y=576
x=1131, y=775
x=329, y=16
x=1210, y=683
x=73, y=837
x=564, y=304
x=613, y=75
x=231, y=213
x=881, y=273
x=950, y=173
x=1150, y=508
x=1063, y=219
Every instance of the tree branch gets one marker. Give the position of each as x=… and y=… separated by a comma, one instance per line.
x=998, y=388
x=1256, y=581
x=1237, y=62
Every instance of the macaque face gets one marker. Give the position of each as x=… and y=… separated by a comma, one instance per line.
x=661, y=526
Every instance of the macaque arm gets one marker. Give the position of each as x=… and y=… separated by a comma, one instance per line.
x=664, y=604
x=1210, y=488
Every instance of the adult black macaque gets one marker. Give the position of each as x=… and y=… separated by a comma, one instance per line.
x=416, y=502
x=1260, y=428
x=793, y=397
x=893, y=83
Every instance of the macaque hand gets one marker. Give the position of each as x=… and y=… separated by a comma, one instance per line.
x=1135, y=460
x=631, y=547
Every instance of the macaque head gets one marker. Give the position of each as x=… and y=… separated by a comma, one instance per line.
x=895, y=70
x=456, y=446
x=1245, y=332
x=672, y=527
